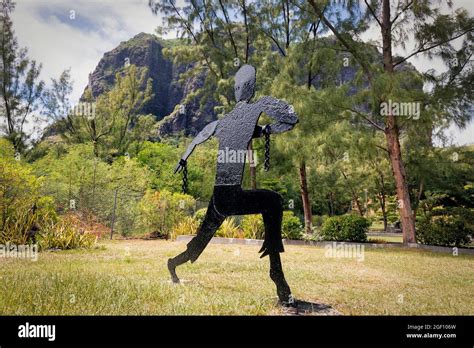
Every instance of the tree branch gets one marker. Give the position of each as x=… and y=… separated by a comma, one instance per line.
x=231, y=37
x=382, y=148
x=401, y=12
x=368, y=120
x=424, y=49
x=373, y=12
x=460, y=69
x=188, y=28
x=338, y=35
x=247, y=35
x=275, y=41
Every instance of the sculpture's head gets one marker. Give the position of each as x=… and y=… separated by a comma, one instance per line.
x=244, y=86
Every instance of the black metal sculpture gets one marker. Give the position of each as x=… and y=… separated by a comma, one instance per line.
x=235, y=132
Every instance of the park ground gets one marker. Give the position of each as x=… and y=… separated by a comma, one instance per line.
x=129, y=277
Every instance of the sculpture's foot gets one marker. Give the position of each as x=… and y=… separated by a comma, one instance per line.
x=290, y=303
x=172, y=270
x=285, y=297
x=283, y=290
x=276, y=274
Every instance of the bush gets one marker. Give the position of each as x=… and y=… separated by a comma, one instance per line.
x=22, y=209
x=64, y=234
x=90, y=223
x=200, y=214
x=75, y=173
x=187, y=226
x=443, y=231
x=318, y=220
x=252, y=226
x=291, y=226
x=443, y=224
x=229, y=229
x=159, y=212
x=350, y=228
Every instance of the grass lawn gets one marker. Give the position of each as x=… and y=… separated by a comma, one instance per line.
x=130, y=277
x=377, y=225
x=386, y=239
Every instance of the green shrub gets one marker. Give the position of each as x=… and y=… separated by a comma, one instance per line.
x=291, y=226
x=200, y=214
x=45, y=210
x=350, y=228
x=252, y=226
x=22, y=208
x=160, y=211
x=75, y=173
x=444, y=225
x=187, y=226
x=64, y=234
x=443, y=231
x=318, y=220
x=229, y=229
x=16, y=226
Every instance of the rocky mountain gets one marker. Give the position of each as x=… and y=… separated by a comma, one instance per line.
x=167, y=105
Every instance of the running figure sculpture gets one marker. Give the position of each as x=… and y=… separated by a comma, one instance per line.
x=235, y=132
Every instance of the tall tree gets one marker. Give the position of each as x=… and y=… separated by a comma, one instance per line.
x=19, y=85
x=57, y=103
x=285, y=24
x=115, y=121
x=433, y=33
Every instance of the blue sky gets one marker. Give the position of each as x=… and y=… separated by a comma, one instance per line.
x=75, y=34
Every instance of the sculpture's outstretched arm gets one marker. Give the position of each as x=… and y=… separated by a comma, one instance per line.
x=203, y=135
x=279, y=111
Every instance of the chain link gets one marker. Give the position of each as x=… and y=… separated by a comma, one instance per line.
x=267, y=152
x=185, y=178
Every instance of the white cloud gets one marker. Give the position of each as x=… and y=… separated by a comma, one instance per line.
x=58, y=41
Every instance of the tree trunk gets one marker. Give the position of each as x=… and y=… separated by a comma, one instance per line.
x=308, y=224
x=384, y=210
x=382, y=196
x=331, y=203
x=93, y=185
x=355, y=196
x=383, y=203
x=404, y=204
x=385, y=220
x=393, y=140
x=418, y=198
x=359, y=207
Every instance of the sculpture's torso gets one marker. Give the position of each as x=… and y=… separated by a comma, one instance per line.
x=234, y=133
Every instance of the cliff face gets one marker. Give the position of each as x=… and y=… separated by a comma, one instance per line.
x=167, y=105
x=145, y=50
